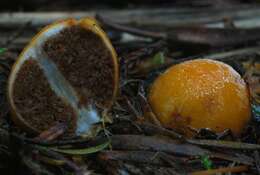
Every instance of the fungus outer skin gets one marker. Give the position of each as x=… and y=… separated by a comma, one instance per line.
x=201, y=93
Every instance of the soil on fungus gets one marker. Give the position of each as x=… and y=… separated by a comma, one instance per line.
x=85, y=62
x=33, y=96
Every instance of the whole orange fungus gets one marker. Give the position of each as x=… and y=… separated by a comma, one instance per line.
x=199, y=94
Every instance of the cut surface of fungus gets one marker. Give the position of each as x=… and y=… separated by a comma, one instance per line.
x=66, y=70
x=199, y=94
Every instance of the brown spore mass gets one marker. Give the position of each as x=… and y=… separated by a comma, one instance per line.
x=36, y=102
x=85, y=62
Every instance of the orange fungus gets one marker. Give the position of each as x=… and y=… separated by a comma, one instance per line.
x=199, y=94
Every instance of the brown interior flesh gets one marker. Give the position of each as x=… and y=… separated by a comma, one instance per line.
x=36, y=102
x=85, y=62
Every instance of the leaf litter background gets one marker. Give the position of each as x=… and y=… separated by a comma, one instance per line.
x=127, y=142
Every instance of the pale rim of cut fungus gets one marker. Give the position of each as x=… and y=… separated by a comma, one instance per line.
x=88, y=23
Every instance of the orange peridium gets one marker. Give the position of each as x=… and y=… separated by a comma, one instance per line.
x=89, y=24
x=201, y=93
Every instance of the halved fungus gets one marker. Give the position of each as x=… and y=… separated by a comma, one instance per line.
x=201, y=93
x=68, y=68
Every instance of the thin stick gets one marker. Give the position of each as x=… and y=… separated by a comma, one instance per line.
x=69, y=163
x=213, y=37
x=53, y=132
x=131, y=30
x=224, y=144
x=236, y=169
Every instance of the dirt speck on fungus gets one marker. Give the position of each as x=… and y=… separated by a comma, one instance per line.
x=85, y=61
x=35, y=101
x=177, y=121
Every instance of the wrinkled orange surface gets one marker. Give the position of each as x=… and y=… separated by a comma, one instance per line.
x=201, y=94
